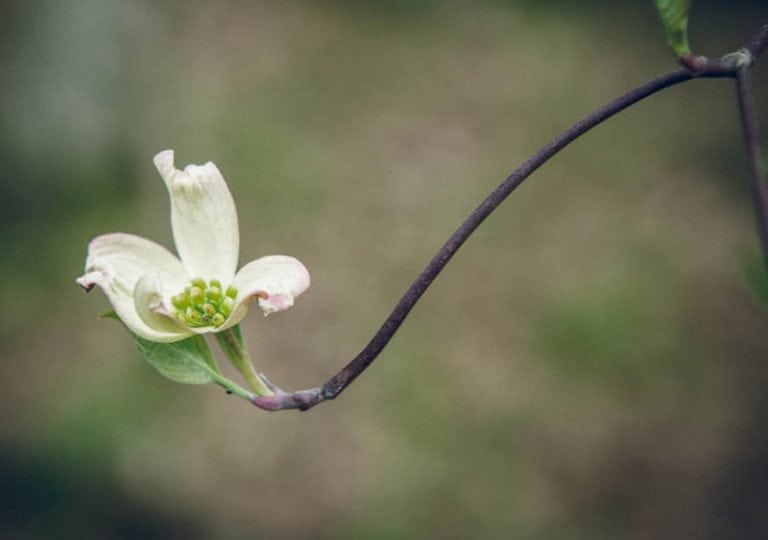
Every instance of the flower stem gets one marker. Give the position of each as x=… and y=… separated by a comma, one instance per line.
x=231, y=342
x=232, y=387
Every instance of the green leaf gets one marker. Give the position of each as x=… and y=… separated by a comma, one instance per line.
x=674, y=16
x=187, y=361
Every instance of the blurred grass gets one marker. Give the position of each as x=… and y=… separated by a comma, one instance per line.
x=589, y=366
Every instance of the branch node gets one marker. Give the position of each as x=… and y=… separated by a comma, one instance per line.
x=737, y=60
x=693, y=63
x=301, y=399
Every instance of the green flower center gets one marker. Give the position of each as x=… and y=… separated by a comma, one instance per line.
x=204, y=304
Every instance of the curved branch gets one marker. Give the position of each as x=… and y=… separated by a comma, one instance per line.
x=752, y=140
x=306, y=399
x=342, y=379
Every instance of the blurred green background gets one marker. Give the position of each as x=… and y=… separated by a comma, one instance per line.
x=592, y=364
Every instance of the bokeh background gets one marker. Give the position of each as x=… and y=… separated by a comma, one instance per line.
x=592, y=364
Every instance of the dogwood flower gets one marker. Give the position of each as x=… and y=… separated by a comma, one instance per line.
x=165, y=298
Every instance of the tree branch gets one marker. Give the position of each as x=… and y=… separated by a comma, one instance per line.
x=757, y=43
x=754, y=152
x=729, y=67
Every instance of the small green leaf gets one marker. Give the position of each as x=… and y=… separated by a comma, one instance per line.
x=187, y=361
x=674, y=16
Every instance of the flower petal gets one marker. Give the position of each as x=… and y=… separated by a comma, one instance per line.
x=275, y=281
x=203, y=217
x=116, y=262
x=149, y=298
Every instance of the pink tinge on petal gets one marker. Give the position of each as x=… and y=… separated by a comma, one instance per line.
x=88, y=281
x=273, y=281
x=275, y=302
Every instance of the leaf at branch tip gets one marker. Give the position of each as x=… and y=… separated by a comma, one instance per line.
x=674, y=16
x=188, y=361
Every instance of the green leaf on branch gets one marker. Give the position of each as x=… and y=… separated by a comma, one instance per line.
x=674, y=16
x=187, y=361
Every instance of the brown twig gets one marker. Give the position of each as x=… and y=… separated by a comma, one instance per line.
x=754, y=152
x=726, y=67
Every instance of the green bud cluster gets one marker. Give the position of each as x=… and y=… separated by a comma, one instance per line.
x=204, y=304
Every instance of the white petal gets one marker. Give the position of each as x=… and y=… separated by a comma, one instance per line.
x=203, y=217
x=275, y=281
x=116, y=262
x=150, y=299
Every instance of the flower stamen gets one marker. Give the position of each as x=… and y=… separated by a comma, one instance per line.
x=203, y=304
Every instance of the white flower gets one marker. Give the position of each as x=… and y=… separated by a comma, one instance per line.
x=164, y=298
